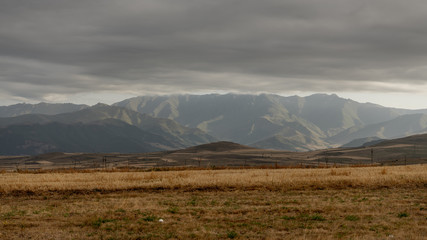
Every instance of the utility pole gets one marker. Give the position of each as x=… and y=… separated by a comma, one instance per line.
x=372, y=156
x=104, y=161
x=326, y=159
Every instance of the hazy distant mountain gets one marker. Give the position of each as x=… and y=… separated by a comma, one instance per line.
x=269, y=121
x=333, y=114
x=173, y=134
x=399, y=127
x=103, y=136
x=40, y=108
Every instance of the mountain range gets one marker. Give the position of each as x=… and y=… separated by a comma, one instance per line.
x=155, y=123
x=100, y=128
x=287, y=123
x=40, y=108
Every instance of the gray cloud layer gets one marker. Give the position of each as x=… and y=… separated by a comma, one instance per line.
x=165, y=46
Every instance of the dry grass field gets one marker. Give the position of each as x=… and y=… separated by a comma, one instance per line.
x=331, y=203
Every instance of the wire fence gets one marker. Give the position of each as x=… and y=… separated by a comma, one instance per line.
x=375, y=156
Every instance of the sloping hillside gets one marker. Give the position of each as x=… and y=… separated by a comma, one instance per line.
x=361, y=142
x=222, y=146
x=173, y=135
x=399, y=127
x=419, y=140
x=103, y=136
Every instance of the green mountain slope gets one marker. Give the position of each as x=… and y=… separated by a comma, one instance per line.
x=177, y=136
x=109, y=135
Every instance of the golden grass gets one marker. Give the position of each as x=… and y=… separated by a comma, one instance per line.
x=273, y=179
x=334, y=203
x=254, y=214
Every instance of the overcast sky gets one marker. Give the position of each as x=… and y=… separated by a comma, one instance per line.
x=88, y=51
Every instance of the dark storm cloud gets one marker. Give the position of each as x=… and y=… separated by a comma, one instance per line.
x=164, y=46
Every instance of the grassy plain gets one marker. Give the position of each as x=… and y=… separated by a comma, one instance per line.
x=331, y=203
